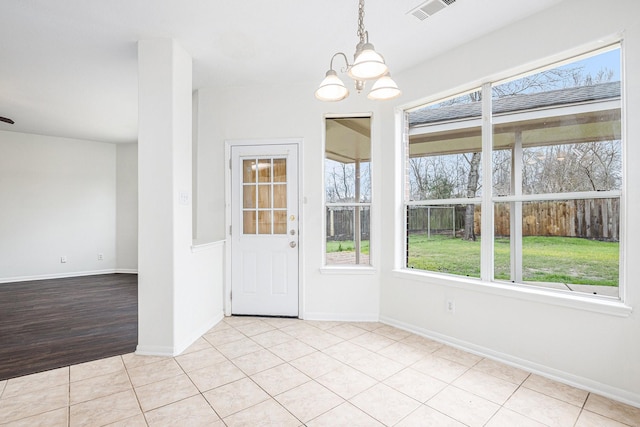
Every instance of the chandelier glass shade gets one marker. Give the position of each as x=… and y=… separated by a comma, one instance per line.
x=332, y=88
x=384, y=88
x=367, y=65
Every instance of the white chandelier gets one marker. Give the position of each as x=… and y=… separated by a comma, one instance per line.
x=367, y=65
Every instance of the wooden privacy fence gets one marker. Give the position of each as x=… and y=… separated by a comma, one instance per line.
x=340, y=223
x=590, y=219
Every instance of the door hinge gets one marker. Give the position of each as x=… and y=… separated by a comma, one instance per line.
x=229, y=163
x=230, y=230
x=231, y=295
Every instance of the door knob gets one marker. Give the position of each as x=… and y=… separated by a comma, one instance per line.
x=292, y=244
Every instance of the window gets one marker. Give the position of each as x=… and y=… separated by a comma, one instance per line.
x=347, y=170
x=264, y=201
x=444, y=172
x=555, y=179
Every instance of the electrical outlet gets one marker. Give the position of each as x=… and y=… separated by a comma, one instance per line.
x=63, y=259
x=100, y=257
x=451, y=306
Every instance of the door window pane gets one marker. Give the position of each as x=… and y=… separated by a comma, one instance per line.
x=262, y=196
x=264, y=170
x=279, y=170
x=249, y=222
x=249, y=196
x=248, y=171
x=280, y=196
x=264, y=222
x=279, y=222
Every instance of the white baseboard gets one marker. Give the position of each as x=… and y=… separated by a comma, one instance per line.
x=154, y=350
x=587, y=384
x=164, y=351
x=56, y=275
x=198, y=333
x=126, y=270
x=341, y=317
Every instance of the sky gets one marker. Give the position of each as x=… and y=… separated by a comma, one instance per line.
x=592, y=65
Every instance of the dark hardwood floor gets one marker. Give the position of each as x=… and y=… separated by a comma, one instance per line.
x=47, y=324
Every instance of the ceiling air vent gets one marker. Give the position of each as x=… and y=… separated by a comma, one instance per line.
x=429, y=8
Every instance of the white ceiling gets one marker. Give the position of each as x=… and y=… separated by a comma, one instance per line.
x=68, y=67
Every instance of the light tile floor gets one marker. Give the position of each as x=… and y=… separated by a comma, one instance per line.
x=249, y=371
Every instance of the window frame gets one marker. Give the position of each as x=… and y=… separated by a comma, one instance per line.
x=348, y=268
x=487, y=282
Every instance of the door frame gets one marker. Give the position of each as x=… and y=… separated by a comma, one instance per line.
x=228, y=145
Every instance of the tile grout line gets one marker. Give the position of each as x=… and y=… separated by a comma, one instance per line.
x=549, y=393
x=259, y=386
x=126, y=369
x=69, y=401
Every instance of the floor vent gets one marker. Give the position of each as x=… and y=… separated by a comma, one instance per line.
x=429, y=8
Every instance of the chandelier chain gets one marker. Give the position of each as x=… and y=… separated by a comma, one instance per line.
x=361, y=31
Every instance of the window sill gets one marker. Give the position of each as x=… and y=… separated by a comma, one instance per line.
x=199, y=247
x=528, y=293
x=349, y=269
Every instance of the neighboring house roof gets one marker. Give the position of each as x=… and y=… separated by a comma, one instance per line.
x=515, y=103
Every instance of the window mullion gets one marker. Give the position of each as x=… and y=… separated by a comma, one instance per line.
x=516, y=210
x=486, y=258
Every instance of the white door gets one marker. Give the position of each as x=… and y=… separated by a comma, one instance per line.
x=264, y=231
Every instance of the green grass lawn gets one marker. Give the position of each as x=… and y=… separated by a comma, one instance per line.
x=347, y=246
x=545, y=259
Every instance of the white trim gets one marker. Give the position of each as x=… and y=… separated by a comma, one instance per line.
x=195, y=335
x=342, y=317
x=529, y=366
x=348, y=205
x=560, y=58
x=164, y=351
x=228, y=145
x=626, y=185
x=436, y=202
x=488, y=119
x=370, y=205
x=487, y=223
x=154, y=350
x=201, y=247
x=400, y=179
x=578, y=195
x=126, y=270
x=61, y=275
x=226, y=286
x=602, y=305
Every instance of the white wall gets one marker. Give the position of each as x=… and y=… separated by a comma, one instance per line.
x=57, y=198
x=209, y=166
x=127, y=208
x=594, y=350
x=178, y=288
x=289, y=112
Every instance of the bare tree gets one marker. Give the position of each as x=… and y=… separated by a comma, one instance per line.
x=472, y=188
x=545, y=169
